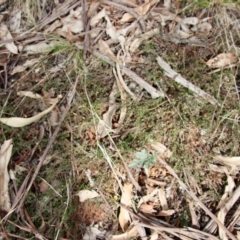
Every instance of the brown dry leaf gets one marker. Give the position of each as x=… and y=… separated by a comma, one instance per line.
x=151, y=197
x=222, y=60
x=93, y=233
x=87, y=194
x=97, y=18
x=53, y=119
x=144, y=8
x=5, y=155
x=29, y=94
x=126, y=199
x=21, y=122
x=203, y=27
x=165, y=213
x=53, y=26
x=106, y=50
x=93, y=8
x=154, y=235
x=190, y=21
x=6, y=35
x=220, y=169
x=111, y=30
x=229, y=161
x=104, y=126
x=27, y=64
x=40, y=47
x=43, y=186
x=146, y=208
x=126, y=236
x=164, y=15
x=127, y=17
x=137, y=42
x=163, y=199
x=73, y=21
x=15, y=20
x=162, y=150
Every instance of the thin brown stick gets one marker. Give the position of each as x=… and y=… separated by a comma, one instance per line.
x=181, y=80
x=47, y=149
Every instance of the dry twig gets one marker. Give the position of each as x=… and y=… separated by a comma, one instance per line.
x=150, y=89
x=179, y=79
x=195, y=198
x=52, y=139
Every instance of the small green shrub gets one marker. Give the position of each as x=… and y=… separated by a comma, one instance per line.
x=143, y=159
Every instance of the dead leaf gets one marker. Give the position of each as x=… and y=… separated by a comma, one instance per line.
x=220, y=169
x=165, y=213
x=21, y=122
x=190, y=21
x=111, y=30
x=93, y=8
x=164, y=15
x=43, y=186
x=229, y=161
x=106, y=50
x=126, y=199
x=144, y=8
x=53, y=26
x=6, y=35
x=104, y=126
x=97, y=18
x=126, y=236
x=127, y=17
x=53, y=119
x=38, y=47
x=73, y=21
x=162, y=150
x=15, y=20
x=5, y=155
x=93, y=233
x=204, y=27
x=87, y=194
x=27, y=64
x=154, y=235
x=167, y=4
x=222, y=60
x=29, y=94
x=163, y=199
x=137, y=42
x=146, y=208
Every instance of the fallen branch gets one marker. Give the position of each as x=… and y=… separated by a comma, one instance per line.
x=150, y=89
x=181, y=80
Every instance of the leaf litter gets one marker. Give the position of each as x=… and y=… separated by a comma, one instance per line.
x=116, y=33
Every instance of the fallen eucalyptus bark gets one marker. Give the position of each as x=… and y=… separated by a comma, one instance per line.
x=181, y=80
x=150, y=89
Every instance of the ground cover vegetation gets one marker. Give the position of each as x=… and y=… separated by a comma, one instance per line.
x=119, y=119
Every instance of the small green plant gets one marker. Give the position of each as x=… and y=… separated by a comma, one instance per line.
x=143, y=159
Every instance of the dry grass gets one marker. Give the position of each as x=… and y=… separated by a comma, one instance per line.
x=194, y=130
